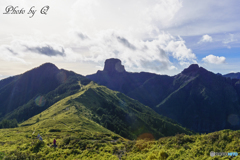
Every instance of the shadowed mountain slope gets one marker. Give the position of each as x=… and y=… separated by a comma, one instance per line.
x=195, y=98
x=17, y=91
x=66, y=90
x=204, y=102
x=120, y=80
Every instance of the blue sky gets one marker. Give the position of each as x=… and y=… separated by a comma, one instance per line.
x=160, y=36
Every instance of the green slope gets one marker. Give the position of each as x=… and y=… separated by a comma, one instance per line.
x=65, y=116
x=111, y=109
x=123, y=115
x=19, y=143
x=61, y=121
x=71, y=122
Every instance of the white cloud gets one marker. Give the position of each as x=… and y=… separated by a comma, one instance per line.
x=137, y=18
x=136, y=54
x=143, y=34
x=206, y=38
x=180, y=51
x=214, y=59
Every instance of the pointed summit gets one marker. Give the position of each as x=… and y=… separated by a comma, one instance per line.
x=113, y=66
x=191, y=68
x=45, y=70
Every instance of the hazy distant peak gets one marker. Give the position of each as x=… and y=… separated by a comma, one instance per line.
x=233, y=75
x=113, y=65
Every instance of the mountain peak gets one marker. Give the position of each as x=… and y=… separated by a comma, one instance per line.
x=48, y=65
x=48, y=68
x=191, y=68
x=113, y=65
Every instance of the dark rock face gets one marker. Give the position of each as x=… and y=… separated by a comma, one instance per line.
x=191, y=68
x=113, y=65
x=116, y=78
x=195, y=98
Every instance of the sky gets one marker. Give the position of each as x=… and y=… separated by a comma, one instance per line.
x=158, y=36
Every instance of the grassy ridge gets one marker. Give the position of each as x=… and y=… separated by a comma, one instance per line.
x=82, y=125
x=123, y=115
x=110, y=109
x=61, y=122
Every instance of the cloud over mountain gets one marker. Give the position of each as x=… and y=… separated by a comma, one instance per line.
x=214, y=59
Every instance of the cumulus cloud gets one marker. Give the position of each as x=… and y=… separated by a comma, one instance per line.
x=93, y=16
x=98, y=30
x=214, y=59
x=206, y=38
x=180, y=51
x=136, y=54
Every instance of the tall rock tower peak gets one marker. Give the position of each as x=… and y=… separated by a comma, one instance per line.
x=113, y=66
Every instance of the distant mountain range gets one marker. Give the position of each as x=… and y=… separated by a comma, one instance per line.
x=196, y=98
x=46, y=96
x=233, y=75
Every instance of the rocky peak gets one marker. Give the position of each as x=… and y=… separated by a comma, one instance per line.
x=113, y=66
x=191, y=68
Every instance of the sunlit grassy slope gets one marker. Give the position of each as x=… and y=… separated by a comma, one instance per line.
x=71, y=122
x=21, y=143
x=65, y=116
x=61, y=121
x=112, y=110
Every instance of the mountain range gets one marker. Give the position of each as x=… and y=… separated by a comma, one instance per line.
x=195, y=98
x=114, y=113
x=233, y=75
x=130, y=104
x=42, y=94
